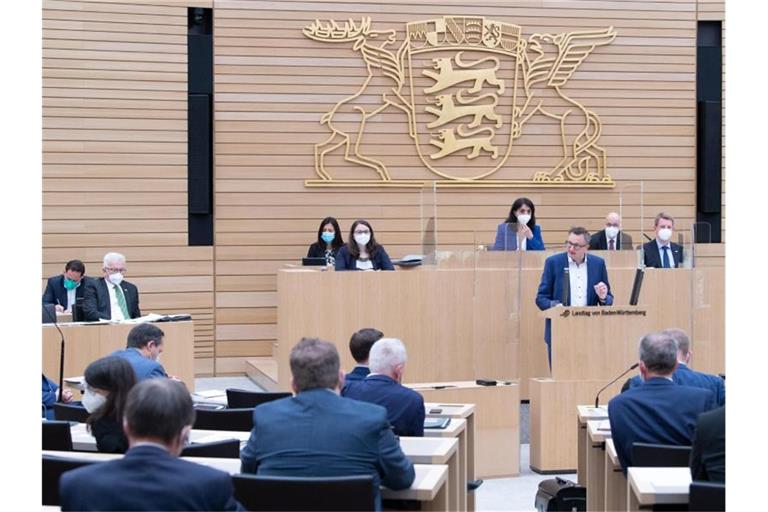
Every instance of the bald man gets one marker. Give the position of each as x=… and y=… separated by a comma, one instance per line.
x=611, y=238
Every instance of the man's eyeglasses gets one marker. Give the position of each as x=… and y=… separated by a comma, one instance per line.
x=111, y=270
x=575, y=246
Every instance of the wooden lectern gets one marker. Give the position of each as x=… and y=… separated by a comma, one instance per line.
x=590, y=347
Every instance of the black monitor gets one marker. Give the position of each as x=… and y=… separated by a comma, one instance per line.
x=636, y=286
x=49, y=313
x=313, y=262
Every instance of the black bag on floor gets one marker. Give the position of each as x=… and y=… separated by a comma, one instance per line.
x=558, y=494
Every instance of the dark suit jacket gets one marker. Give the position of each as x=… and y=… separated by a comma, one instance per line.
x=109, y=435
x=318, y=433
x=55, y=293
x=358, y=373
x=147, y=478
x=685, y=376
x=659, y=411
x=551, y=287
x=708, y=453
x=652, y=258
x=49, y=398
x=96, y=302
x=143, y=367
x=345, y=261
x=318, y=251
x=405, y=407
x=599, y=241
x=506, y=238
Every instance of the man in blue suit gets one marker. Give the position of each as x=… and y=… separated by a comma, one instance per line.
x=360, y=346
x=659, y=411
x=405, y=407
x=145, y=344
x=64, y=289
x=318, y=433
x=587, y=276
x=158, y=420
x=684, y=375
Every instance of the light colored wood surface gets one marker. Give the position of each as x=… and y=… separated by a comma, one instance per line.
x=84, y=343
x=585, y=413
x=493, y=430
x=463, y=416
x=649, y=486
x=595, y=464
x=615, y=481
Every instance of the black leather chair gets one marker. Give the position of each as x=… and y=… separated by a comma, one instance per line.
x=240, y=398
x=240, y=420
x=706, y=496
x=228, y=449
x=660, y=455
x=53, y=468
x=343, y=493
x=68, y=412
x=57, y=436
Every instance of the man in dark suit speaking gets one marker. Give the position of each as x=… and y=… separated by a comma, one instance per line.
x=111, y=298
x=318, y=433
x=587, y=276
x=158, y=420
x=612, y=238
x=661, y=252
x=63, y=290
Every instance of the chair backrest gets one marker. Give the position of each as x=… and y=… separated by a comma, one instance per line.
x=67, y=412
x=706, y=496
x=344, y=493
x=239, y=398
x=240, y=420
x=57, y=436
x=227, y=449
x=53, y=468
x=660, y=455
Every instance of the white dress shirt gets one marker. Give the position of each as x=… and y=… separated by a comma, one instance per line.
x=71, y=298
x=364, y=265
x=117, y=313
x=522, y=243
x=578, y=277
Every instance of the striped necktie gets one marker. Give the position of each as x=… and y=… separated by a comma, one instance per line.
x=121, y=301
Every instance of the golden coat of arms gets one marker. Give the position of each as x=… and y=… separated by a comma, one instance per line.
x=468, y=86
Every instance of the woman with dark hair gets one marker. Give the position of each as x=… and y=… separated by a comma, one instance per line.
x=328, y=243
x=107, y=383
x=362, y=252
x=520, y=231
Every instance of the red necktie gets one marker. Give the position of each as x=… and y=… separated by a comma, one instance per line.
x=611, y=246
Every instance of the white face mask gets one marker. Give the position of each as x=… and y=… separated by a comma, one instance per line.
x=611, y=231
x=92, y=400
x=665, y=234
x=363, y=238
x=523, y=218
x=116, y=278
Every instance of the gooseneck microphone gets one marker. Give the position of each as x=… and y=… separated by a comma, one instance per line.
x=597, y=398
x=52, y=316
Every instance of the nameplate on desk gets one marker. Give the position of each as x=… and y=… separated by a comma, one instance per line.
x=601, y=312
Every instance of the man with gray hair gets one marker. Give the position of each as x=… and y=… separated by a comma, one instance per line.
x=659, y=411
x=684, y=375
x=317, y=433
x=383, y=386
x=111, y=298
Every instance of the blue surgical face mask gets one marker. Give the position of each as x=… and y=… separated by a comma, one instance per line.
x=328, y=236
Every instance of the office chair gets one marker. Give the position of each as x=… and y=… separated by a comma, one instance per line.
x=342, y=493
x=240, y=398
x=57, y=436
x=240, y=420
x=227, y=449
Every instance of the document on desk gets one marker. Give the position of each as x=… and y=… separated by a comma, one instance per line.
x=604, y=426
x=212, y=438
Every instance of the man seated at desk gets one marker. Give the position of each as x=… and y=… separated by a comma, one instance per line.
x=684, y=375
x=111, y=298
x=611, y=238
x=143, y=349
x=659, y=411
x=64, y=289
x=587, y=280
x=318, y=433
x=383, y=386
x=158, y=420
x=661, y=252
x=360, y=346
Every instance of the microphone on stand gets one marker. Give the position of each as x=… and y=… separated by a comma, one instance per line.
x=566, y=292
x=597, y=398
x=52, y=316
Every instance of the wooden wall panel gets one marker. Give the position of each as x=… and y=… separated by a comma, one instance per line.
x=115, y=152
x=273, y=85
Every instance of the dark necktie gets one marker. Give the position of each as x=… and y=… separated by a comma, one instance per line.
x=665, y=257
x=611, y=245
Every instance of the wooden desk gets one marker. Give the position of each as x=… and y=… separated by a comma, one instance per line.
x=83, y=441
x=425, y=450
x=650, y=486
x=615, y=481
x=585, y=413
x=459, y=414
x=596, y=435
x=428, y=486
x=87, y=342
x=494, y=428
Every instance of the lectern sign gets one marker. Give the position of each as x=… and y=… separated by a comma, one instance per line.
x=468, y=86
